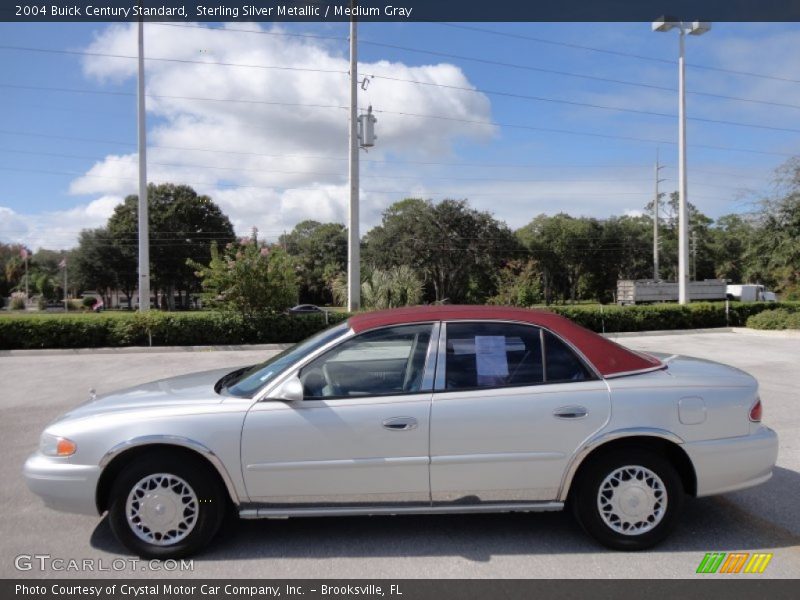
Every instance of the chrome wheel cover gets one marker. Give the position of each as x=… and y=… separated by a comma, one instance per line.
x=632, y=500
x=161, y=509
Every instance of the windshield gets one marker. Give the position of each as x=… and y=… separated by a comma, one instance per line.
x=243, y=383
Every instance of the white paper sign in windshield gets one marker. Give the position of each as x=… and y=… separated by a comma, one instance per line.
x=491, y=359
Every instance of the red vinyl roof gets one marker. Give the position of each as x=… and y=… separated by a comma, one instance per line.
x=608, y=358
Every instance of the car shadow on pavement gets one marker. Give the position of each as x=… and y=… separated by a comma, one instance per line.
x=764, y=517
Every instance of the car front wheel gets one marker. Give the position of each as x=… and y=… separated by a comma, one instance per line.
x=166, y=506
x=628, y=500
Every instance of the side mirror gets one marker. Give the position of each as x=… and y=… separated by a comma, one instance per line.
x=290, y=390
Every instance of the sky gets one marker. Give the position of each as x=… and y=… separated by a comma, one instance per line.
x=518, y=118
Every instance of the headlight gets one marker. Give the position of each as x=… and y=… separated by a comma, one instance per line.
x=53, y=445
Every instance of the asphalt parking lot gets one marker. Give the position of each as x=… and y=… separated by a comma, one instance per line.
x=37, y=386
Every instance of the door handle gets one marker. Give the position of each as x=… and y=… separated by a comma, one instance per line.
x=570, y=412
x=400, y=424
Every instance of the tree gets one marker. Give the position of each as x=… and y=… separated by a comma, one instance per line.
x=399, y=286
x=701, y=260
x=454, y=248
x=13, y=267
x=518, y=284
x=320, y=251
x=567, y=248
x=183, y=226
x=774, y=256
x=731, y=239
x=249, y=278
x=101, y=263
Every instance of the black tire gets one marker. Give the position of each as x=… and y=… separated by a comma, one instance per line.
x=206, y=514
x=654, y=526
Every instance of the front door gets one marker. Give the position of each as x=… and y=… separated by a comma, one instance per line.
x=511, y=406
x=361, y=434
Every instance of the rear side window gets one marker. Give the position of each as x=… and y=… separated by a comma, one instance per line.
x=562, y=364
x=482, y=355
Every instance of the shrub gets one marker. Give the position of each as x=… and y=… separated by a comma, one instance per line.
x=156, y=328
x=780, y=318
x=698, y=315
x=88, y=301
x=17, y=303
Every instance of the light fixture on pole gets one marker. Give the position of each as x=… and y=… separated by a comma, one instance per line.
x=692, y=28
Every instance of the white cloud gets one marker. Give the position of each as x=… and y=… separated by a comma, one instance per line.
x=55, y=229
x=278, y=163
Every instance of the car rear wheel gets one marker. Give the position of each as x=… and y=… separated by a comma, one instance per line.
x=628, y=500
x=166, y=506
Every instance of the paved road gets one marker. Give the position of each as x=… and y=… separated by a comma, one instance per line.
x=38, y=386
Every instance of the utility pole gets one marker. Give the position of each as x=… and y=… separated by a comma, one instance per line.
x=683, y=214
x=144, y=230
x=353, y=239
x=656, y=201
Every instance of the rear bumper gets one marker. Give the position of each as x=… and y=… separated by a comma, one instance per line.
x=63, y=486
x=735, y=463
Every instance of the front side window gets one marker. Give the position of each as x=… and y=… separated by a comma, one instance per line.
x=376, y=363
x=482, y=355
x=244, y=383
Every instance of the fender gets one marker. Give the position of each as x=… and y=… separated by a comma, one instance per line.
x=603, y=438
x=174, y=440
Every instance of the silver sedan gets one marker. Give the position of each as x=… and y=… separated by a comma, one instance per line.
x=418, y=410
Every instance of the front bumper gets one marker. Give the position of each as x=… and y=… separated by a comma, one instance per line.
x=62, y=485
x=730, y=464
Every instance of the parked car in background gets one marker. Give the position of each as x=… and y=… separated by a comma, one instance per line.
x=435, y=409
x=305, y=309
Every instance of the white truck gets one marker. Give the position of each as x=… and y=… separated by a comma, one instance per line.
x=750, y=292
x=642, y=291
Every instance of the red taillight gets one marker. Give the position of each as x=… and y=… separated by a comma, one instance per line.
x=755, y=412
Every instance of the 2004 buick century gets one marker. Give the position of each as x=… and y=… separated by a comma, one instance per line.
x=418, y=410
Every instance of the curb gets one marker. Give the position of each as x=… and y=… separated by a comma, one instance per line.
x=141, y=350
x=659, y=332
x=274, y=347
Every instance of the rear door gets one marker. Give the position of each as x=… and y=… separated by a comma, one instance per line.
x=512, y=403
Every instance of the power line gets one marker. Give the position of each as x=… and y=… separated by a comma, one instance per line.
x=484, y=61
x=334, y=174
x=476, y=90
x=408, y=114
x=588, y=133
x=174, y=60
x=616, y=52
x=416, y=82
x=405, y=193
x=411, y=162
x=576, y=75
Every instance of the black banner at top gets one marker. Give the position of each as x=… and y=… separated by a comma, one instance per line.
x=399, y=10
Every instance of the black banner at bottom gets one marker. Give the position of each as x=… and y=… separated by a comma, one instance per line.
x=400, y=589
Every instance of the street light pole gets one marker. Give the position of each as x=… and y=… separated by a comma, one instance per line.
x=683, y=213
x=692, y=28
x=144, y=233
x=353, y=240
